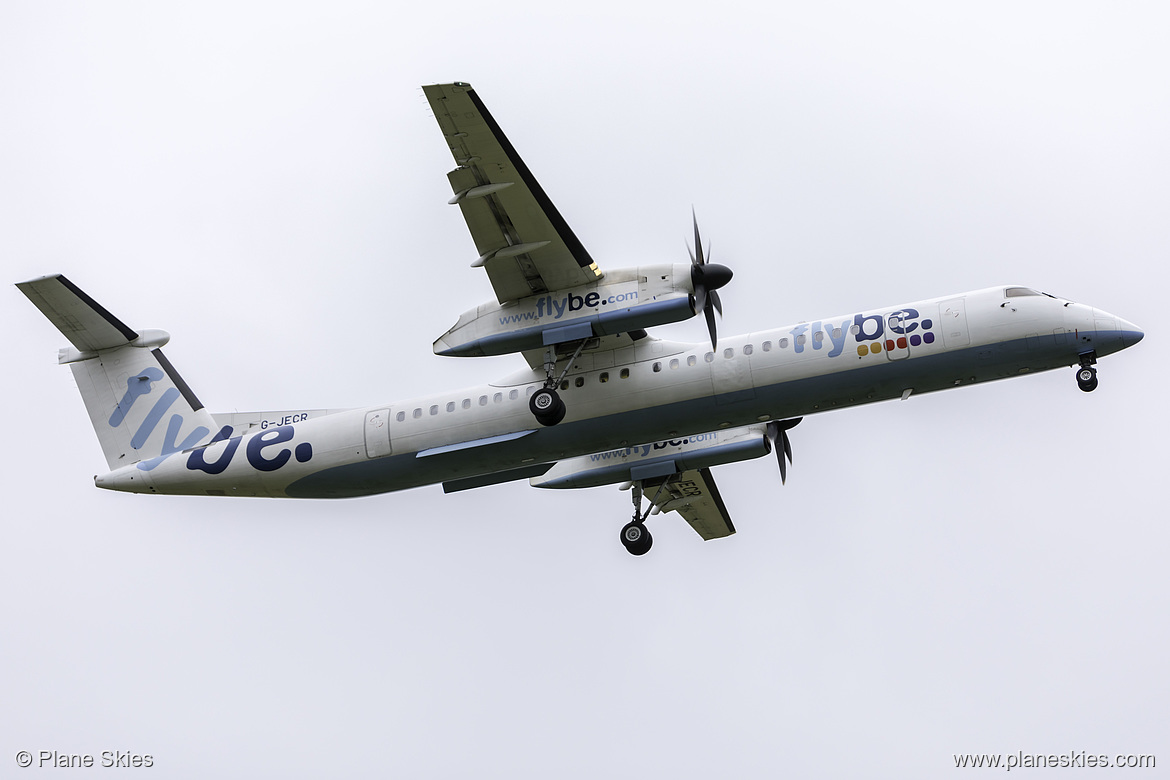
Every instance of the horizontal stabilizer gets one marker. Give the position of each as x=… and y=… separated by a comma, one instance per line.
x=84, y=321
x=141, y=409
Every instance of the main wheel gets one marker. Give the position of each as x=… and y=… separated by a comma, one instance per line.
x=636, y=538
x=546, y=406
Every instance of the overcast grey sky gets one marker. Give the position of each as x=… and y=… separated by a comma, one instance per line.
x=976, y=571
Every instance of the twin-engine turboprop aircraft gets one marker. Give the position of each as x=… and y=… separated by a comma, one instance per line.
x=601, y=402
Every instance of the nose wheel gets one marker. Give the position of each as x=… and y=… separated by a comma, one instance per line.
x=1086, y=374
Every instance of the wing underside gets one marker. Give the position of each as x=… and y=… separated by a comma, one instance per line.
x=523, y=242
x=694, y=496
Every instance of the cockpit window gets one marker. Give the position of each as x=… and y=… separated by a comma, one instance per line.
x=1019, y=292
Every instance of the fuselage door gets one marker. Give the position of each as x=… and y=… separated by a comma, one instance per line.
x=897, y=347
x=953, y=321
x=378, y=433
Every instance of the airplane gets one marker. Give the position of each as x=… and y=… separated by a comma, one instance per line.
x=601, y=402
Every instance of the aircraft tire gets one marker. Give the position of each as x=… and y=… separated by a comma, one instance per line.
x=546, y=406
x=636, y=538
x=1087, y=379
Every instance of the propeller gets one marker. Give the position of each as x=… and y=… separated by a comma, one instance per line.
x=778, y=434
x=706, y=278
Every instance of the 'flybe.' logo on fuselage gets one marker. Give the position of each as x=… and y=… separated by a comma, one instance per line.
x=874, y=332
x=258, y=451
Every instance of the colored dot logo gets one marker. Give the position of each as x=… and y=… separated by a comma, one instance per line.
x=900, y=342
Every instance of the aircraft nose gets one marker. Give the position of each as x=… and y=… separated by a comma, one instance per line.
x=1130, y=333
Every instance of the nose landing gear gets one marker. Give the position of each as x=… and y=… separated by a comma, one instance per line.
x=1086, y=374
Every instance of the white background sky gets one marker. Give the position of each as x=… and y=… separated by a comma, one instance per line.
x=982, y=570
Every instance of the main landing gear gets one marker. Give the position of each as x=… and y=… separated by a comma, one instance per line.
x=635, y=535
x=1086, y=374
x=546, y=406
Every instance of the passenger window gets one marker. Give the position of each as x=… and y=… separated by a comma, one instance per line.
x=709, y=357
x=497, y=398
x=692, y=360
x=530, y=390
x=565, y=385
x=513, y=394
x=819, y=336
x=836, y=333
x=800, y=339
x=435, y=409
x=782, y=343
x=466, y=403
x=767, y=345
x=657, y=367
x=604, y=377
x=580, y=381
x=401, y=417
x=674, y=363
x=483, y=400
x=450, y=406
x=747, y=349
x=855, y=329
x=625, y=374
x=729, y=353
x=417, y=413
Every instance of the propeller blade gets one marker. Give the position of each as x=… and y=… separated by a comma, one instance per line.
x=698, y=241
x=710, y=314
x=714, y=296
x=777, y=431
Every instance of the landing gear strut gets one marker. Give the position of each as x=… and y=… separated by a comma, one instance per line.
x=635, y=536
x=1086, y=374
x=546, y=406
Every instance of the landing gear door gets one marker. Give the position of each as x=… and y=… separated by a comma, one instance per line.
x=953, y=321
x=378, y=433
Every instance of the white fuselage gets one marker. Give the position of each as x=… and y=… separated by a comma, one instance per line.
x=649, y=391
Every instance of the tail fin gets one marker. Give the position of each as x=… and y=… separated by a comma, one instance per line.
x=115, y=367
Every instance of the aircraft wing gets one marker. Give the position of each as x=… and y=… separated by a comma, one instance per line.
x=694, y=496
x=523, y=241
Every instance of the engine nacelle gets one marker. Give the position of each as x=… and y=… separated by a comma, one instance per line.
x=660, y=459
x=624, y=300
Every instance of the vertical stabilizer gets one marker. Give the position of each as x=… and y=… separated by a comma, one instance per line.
x=139, y=405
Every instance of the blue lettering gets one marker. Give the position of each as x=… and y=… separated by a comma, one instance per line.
x=838, y=343
x=260, y=441
x=135, y=386
x=153, y=417
x=796, y=332
x=196, y=460
x=900, y=321
x=860, y=322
